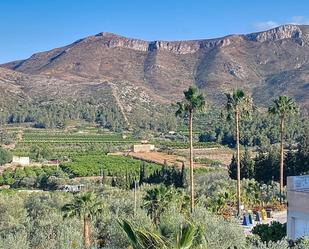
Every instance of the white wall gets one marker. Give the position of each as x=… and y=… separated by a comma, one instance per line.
x=298, y=207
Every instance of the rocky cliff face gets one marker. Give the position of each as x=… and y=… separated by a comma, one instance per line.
x=266, y=63
x=279, y=33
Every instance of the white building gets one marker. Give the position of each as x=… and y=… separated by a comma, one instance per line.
x=19, y=160
x=143, y=147
x=72, y=188
x=298, y=206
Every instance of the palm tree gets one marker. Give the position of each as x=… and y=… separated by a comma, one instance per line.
x=238, y=102
x=282, y=106
x=156, y=201
x=84, y=206
x=141, y=238
x=194, y=101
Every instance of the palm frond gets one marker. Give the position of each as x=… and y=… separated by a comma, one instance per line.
x=186, y=237
x=131, y=234
x=141, y=238
x=180, y=109
x=283, y=106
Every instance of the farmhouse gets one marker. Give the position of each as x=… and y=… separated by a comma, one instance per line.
x=143, y=147
x=298, y=207
x=23, y=161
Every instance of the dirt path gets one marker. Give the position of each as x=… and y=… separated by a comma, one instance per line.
x=114, y=92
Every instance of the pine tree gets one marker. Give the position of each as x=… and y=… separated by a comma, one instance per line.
x=183, y=177
x=233, y=168
x=266, y=166
x=114, y=182
x=142, y=176
x=246, y=166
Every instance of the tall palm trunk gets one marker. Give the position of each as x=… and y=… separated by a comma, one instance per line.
x=191, y=161
x=86, y=232
x=281, y=155
x=238, y=161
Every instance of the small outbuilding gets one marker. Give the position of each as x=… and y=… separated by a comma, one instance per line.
x=20, y=160
x=72, y=188
x=143, y=147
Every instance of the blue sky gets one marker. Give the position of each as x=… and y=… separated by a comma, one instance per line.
x=29, y=26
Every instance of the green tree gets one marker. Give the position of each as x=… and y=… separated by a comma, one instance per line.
x=246, y=166
x=302, y=154
x=237, y=103
x=5, y=156
x=282, y=106
x=194, y=101
x=265, y=167
x=84, y=206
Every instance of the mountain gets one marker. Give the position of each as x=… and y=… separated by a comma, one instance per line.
x=135, y=73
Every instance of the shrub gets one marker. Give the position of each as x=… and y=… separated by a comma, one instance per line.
x=274, y=231
x=5, y=156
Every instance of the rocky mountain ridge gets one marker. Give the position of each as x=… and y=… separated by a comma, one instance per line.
x=265, y=64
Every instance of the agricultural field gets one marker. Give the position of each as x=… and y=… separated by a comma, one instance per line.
x=111, y=165
x=175, y=159
x=160, y=158
x=185, y=145
x=65, y=143
x=77, y=153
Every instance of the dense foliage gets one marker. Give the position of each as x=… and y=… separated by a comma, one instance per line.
x=257, y=129
x=217, y=192
x=34, y=220
x=274, y=231
x=57, y=115
x=92, y=165
x=265, y=166
x=45, y=177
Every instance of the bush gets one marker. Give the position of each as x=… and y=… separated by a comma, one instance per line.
x=218, y=232
x=274, y=231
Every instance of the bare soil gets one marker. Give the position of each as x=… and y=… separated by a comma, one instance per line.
x=222, y=155
x=162, y=158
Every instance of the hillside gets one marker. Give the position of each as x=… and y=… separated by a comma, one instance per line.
x=132, y=72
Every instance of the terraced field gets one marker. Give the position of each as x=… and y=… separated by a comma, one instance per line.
x=63, y=143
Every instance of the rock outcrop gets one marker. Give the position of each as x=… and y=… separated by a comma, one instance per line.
x=279, y=33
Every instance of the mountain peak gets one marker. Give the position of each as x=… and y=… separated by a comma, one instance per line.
x=108, y=34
